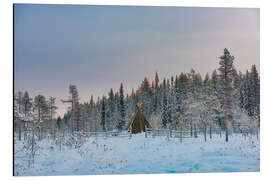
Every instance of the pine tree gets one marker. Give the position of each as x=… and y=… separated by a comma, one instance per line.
x=241, y=96
x=146, y=95
x=74, y=100
x=156, y=95
x=236, y=79
x=172, y=101
x=19, y=101
x=111, y=108
x=214, y=81
x=177, y=95
x=74, y=106
x=255, y=91
x=42, y=108
x=26, y=102
x=18, y=123
x=226, y=76
x=197, y=83
x=192, y=75
x=247, y=102
x=122, y=108
x=103, y=115
x=165, y=112
x=52, y=107
x=78, y=117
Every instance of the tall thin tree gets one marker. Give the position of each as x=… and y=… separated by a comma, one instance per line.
x=226, y=76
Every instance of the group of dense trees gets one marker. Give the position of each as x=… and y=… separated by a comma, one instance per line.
x=184, y=102
x=38, y=110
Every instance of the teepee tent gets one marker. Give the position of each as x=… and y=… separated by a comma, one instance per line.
x=138, y=122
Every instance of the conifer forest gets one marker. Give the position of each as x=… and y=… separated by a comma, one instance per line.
x=222, y=106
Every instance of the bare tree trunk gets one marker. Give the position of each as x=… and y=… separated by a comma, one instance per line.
x=33, y=141
x=226, y=126
x=72, y=115
x=181, y=134
x=195, y=131
x=191, y=130
x=226, y=113
x=20, y=131
x=210, y=131
x=39, y=128
x=205, y=128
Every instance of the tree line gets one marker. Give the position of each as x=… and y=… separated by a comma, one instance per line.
x=220, y=100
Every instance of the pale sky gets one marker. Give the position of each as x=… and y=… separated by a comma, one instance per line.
x=98, y=47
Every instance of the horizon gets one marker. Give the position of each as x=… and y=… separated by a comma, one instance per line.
x=51, y=50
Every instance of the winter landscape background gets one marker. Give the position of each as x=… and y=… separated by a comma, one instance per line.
x=200, y=123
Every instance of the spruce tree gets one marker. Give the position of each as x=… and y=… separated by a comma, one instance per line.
x=26, y=102
x=103, y=115
x=192, y=83
x=146, y=95
x=19, y=101
x=122, y=109
x=42, y=108
x=111, y=120
x=165, y=112
x=214, y=81
x=226, y=76
x=77, y=117
x=247, y=94
x=255, y=91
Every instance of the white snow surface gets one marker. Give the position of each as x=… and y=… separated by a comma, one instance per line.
x=140, y=155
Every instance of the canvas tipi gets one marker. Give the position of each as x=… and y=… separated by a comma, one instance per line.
x=138, y=122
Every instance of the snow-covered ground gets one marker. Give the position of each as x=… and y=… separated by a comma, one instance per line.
x=141, y=155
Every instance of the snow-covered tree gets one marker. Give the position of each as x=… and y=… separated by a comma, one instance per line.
x=103, y=114
x=74, y=100
x=122, y=109
x=146, y=95
x=52, y=111
x=254, y=91
x=214, y=81
x=26, y=102
x=226, y=77
x=41, y=107
x=42, y=112
x=52, y=107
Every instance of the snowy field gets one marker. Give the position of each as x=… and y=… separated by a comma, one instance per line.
x=140, y=155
